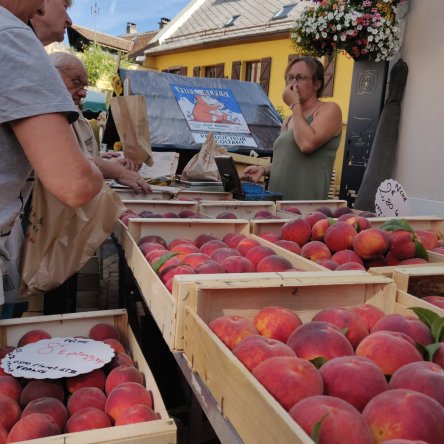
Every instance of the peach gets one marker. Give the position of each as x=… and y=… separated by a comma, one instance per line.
x=231, y=329
x=408, y=325
x=102, y=331
x=439, y=250
x=116, y=345
x=273, y=263
x=86, y=397
x=339, y=236
x=179, y=241
x=402, y=413
x=186, y=214
x=263, y=214
x=391, y=259
x=232, y=239
x=210, y=267
x=289, y=245
x=9, y=412
x=253, y=350
x=389, y=350
x=438, y=356
x=354, y=379
x=425, y=377
x=289, y=379
x=222, y=253
x=338, y=212
x=296, y=230
x=39, y=388
x=237, y=264
x=164, y=263
x=51, y=406
x=153, y=255
x=153, y=238
x=148, y=214
x=318, y=339
x=345, y=217
x=359, y=223
x=202, y=238
x=402, y=245
x=326, y=210
x=245, y=245
x=350, y=266
x=146, y=247
x=315, y=250
x=369, y=314
x=136, y=413
x=314, y=217
x=376, y=262
x=126, y=395
x=429, y=239
x=339, y=421
x=195, y=259
x=294, y=210
x=3, y=435
x=438, y=301
x=184, y=249
x=122, y=374
x=319, y=228
x=269, y=236
x=88, y=418
x=343, y=318
x=276, y=322
x=256, y=254
x=124, y=219
x=413, y=261
x=119, y=359
x=345, y=256
x=33, y=336
x=35, y=425
x=327, y=263
x=210, y=246
x=95, y=378
x=226, y=215
x=174, y=270
x=170, y=215
x=10, y=386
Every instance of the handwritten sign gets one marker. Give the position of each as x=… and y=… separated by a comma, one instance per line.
x=391, y=200
x=57, y=358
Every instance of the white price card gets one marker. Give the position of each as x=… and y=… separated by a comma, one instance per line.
x=391, y=200
x=57, y=358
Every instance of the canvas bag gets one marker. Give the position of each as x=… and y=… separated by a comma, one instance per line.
x=131, y=120
x=61, y=239
x=202, y=165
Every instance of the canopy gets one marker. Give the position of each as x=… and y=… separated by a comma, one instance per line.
x=95, y=101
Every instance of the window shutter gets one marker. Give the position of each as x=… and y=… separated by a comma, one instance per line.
x=219, y=70
x=235, y=70
x=329, y=76
x=265, y=73
x=183, y=71
x=196, y=71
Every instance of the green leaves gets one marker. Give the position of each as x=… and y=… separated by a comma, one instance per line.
x=420, y=251
x=162, y=259
x=397, y=224
x=317, y=429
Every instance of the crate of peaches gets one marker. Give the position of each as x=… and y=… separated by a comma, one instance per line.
x=159, y=251
x=354, y=242
x=78, y=378
x=319, y=358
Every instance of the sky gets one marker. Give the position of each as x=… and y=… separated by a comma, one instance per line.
x=113, y=15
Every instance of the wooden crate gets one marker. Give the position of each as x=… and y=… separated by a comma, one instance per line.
x=129, y=194
x=202, y=195
x=168, y=308
x=253, y=412
x=242, y=209
x=307, y=206
x=161, y=431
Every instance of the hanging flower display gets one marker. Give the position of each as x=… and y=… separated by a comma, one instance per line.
x=366, y=28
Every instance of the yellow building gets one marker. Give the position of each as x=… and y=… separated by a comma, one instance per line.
x=244, y=40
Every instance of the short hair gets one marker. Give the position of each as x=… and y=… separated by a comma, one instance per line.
x=316, y=67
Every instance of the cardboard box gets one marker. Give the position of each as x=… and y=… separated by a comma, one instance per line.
x=253, y=412
x=161, y=431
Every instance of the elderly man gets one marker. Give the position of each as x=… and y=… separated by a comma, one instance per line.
x=35, y=134
x=74, y=75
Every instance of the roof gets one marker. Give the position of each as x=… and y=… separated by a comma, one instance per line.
x=78, y=35
x=140, y=42
x=202, y=22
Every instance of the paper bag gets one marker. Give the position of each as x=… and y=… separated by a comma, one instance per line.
x=202, y=165
x=131, y=120
x=61, y=239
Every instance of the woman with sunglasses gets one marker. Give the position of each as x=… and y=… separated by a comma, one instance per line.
x=305, y=151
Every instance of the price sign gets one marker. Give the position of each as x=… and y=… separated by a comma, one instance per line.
x=391, y=200
x=57, y=358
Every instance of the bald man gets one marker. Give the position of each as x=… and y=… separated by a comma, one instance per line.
x=74, y=76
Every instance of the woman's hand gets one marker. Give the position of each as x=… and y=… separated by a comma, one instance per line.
x=253, y=173
x=290, y=95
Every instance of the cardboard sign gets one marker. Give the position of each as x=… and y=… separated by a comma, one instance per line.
x=57, y=358
x=391, y=200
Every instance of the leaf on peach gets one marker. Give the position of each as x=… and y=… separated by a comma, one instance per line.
x=397, y=224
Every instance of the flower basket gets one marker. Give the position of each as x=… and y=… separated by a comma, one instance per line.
x=362, y=29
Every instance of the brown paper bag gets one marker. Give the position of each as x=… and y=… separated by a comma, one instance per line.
x=131, y=119
x=61, y=239
x=202, y=165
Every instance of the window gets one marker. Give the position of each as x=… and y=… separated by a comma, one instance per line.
x=230, y=21
x=215, y=71
x=253, y=71
x=283, y=12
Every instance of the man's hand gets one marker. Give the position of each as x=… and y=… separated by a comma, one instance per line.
x=253, y=173
x=130, y=164
x=134, y=180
